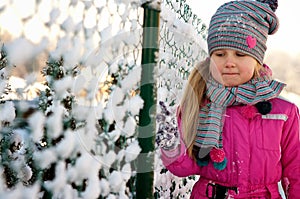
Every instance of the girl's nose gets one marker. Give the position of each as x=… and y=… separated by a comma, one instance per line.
x=229, y=63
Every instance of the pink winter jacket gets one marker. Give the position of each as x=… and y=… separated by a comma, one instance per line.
x=261, y=151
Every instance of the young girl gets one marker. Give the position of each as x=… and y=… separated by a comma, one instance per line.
x=236, y=133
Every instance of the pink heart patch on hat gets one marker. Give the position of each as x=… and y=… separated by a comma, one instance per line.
x=251, y=41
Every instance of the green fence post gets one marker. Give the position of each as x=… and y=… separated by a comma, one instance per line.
x=147, y=123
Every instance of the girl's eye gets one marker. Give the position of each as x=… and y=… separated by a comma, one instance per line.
x=219, y=54
x=240, y=54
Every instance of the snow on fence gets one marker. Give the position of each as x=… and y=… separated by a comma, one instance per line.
x=76, y=136
x=182, y=45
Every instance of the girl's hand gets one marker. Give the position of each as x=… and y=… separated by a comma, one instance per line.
x=167, y=136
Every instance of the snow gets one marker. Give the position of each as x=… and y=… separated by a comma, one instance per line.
x=132, y=151
x=104, y=185
x=61, y=86
x=132, y=79
x=109, y=116
x=23, y=192
x=114, y=135
x=129, y=127
x=57, y=185
x=78, y=84
x=23, y=88
x=65, y=147
x=31, y=192
x=93, y=189
x=37, y=36
x=18, y=56
x=45, y=158
x=7, y=111
x=54, y=125
x=134, y=104
x=154, y=4
x=86, y=167
x=115, y=181
x=109, y=158
x=68, y=25
x=25, y=173
x=120, y=155
x=80, y=112
x=54, y=14
x=36, y=123
x=126, y=172
x=117, y=96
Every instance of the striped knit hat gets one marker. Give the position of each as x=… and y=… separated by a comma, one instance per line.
x=244, y=26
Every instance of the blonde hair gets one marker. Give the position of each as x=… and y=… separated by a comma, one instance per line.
x=194, y=96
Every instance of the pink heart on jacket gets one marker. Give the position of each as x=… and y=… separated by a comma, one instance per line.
x=251, y=41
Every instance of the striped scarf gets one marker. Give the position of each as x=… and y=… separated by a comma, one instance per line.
x=211, y=116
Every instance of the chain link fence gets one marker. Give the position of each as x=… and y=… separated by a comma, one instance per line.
x=182, y=45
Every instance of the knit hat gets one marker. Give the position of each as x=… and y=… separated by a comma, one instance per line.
x=243, y=26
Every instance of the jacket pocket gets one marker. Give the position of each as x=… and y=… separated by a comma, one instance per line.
x=269, y=131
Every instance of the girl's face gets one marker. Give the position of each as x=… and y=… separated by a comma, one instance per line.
x=231, y=67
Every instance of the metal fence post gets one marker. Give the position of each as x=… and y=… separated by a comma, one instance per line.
x=147, y=123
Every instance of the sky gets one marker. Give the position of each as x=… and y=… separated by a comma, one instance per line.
x=285, y=39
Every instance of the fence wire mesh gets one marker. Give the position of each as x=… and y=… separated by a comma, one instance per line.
x=182, y=45
x=182, y=36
